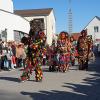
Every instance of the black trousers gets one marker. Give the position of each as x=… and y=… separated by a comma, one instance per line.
x=83, y=65
x=19, y=62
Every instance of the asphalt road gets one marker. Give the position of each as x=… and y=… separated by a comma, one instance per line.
x=72, y=85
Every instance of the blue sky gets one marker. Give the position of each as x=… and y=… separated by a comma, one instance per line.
x=83, y=11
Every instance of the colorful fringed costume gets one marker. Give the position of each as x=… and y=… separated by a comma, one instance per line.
x=36, y=50
x=84, y=47
x=73, y=51
x=64, y=47
x=27, y=71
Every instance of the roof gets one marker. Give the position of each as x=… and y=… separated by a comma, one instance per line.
x=33, y=12
x=92, y=19
x=76, y=36
x=98, y=40
x=98, y=18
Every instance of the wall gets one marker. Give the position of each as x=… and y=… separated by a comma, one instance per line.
x=6, y=5
x=90, y=29
x=13, y=22
x=49, y=25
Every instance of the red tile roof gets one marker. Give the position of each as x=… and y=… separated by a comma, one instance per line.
x=98, y=40
x=76, y=36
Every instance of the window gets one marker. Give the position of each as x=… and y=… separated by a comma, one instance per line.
x=17, y=36
x=96, y=29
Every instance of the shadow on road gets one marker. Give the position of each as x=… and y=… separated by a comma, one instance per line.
x=91, y=85
x=54, y=95
x=10, y=79
x=88, y=89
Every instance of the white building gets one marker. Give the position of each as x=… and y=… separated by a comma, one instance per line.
x=6, y=5
x=93, y=28
x=47, y=15
x=12, y=26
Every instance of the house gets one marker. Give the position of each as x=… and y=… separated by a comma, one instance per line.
x=12, y=27
x=46, y=18
x=93, y=28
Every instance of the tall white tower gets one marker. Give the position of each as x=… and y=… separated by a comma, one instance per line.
x=70, y=19
x=6, y=5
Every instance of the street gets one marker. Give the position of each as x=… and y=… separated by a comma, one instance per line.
x=72, y=85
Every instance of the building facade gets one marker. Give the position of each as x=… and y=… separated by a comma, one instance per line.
x=93, y=28
x=6, y=5
x=12, y=26
x=47, y=18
